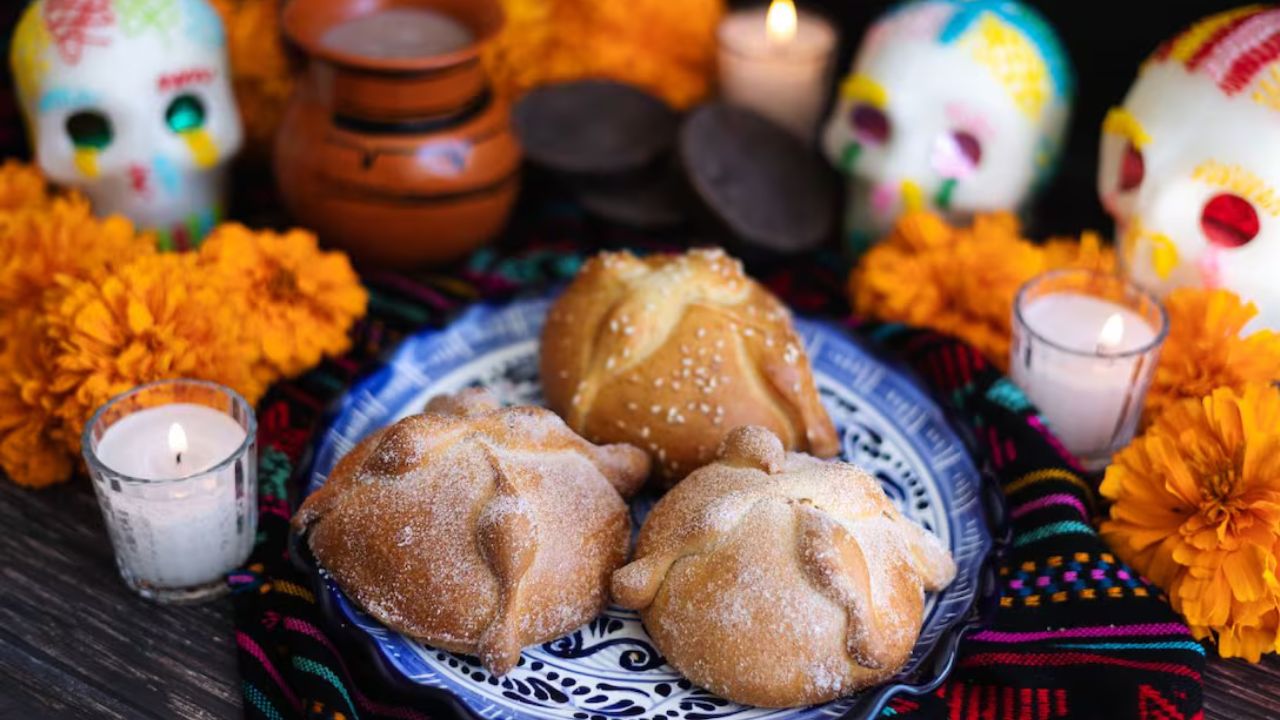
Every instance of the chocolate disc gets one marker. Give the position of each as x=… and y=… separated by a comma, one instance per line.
x=593, y=127
x=654, y=198
x=770, y=189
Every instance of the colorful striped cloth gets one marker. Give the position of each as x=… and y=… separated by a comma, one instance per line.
x=1077, y=633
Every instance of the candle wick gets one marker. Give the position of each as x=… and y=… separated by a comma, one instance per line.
x=179, y=458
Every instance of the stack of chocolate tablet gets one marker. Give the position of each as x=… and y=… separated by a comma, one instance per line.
x=629, y=158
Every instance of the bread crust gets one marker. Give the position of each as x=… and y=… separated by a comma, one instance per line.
x=669, y=352
x=476, y=529
x=778, y=580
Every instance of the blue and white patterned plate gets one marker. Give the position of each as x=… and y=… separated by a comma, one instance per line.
x=609, y=668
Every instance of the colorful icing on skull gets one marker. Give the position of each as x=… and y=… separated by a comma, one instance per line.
x=1190, y=165
x=129, y=100
x=954, y=105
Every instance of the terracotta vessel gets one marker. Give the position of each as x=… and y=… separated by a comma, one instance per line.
x=400, y=161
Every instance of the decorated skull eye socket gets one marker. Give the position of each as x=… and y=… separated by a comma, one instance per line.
x=185, y=113
x=1133, y=168
x=957, y=154
x=1229, y=221
x=89, y=130
x=870, y=124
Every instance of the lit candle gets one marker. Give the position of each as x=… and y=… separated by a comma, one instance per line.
x=153, y=444
x=174, y=467
x=777, y=62
x=1084, y=348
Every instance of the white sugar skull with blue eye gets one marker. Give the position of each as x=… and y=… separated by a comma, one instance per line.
x=1190, y=163
x=130, y=101
x=957, y=106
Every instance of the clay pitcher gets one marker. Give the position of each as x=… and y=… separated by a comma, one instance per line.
x=399, y=158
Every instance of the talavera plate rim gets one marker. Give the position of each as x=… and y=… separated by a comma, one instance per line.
x=442, y=357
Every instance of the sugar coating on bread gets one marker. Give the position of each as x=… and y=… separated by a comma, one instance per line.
x=476, y=528
x=669, y=352
x=777, y=579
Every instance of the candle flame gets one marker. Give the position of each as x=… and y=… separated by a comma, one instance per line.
x=780, y=21
x=177, y=439
x=1112, y=332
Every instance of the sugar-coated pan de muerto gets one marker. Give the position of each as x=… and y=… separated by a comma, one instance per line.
x=670, y=352
x=781, y=580
x=476, y=529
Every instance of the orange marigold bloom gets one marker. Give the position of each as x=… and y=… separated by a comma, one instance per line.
x=1205, y=349
x=62, y=238
x=21, y=186
x=302, y=301
x=959, y=281
x=665, y=47
x=261, y=74
x=1087, y=253
x=33, y=445
x=159, y=317
x=1196, y=507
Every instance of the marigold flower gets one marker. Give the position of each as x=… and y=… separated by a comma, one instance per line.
x=159, y=317
x=1205, y=349
x=302, y=301
x=1087, y=253
x=33, y=447
x=21, y=186
x=959, y=281
x=1196, y=507
x=665, y=47
x=261, y=74
x=60, y=238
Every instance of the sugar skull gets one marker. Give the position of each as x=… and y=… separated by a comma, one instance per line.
x=953, y=105
x=129, y=100
x=1190, y=164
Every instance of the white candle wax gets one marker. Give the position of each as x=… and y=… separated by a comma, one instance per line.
x=180, y=533
x=139, y=445
x=1087, y=396
x=781, y=75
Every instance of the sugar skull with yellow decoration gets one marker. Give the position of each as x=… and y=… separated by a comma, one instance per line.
x=129, y=100
x=1190, y=163
x=958, y=106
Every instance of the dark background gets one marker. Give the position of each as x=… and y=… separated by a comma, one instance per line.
x=1106, y=41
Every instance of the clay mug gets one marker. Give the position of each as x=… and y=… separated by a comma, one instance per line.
x=400, y=157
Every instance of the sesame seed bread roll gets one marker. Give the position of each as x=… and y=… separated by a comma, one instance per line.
x=475, y=528
x=669, y=352
x=776, y=579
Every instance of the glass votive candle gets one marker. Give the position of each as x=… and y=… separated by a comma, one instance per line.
x=777, y=61
x=1085, y=345
x=174, y=466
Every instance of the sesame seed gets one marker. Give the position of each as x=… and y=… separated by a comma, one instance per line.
x=655, y=409
x=701, y=333
x=644, y=431
x=632, y=406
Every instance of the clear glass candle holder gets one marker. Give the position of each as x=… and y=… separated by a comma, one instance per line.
x=1085, y=345
x=174, y=466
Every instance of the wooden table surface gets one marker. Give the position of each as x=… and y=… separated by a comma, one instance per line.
x=75, y=643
